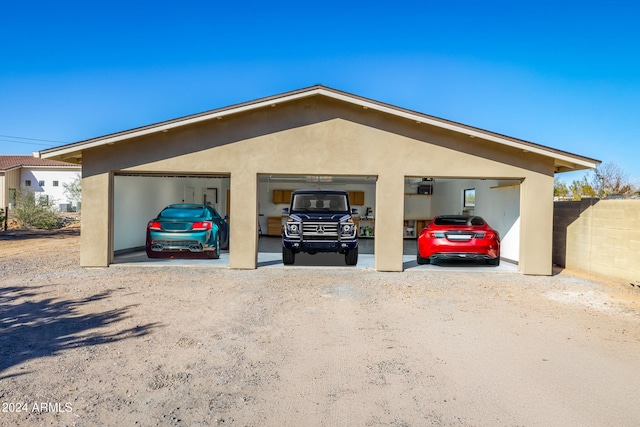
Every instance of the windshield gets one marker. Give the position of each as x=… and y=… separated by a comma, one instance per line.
x=320, y=202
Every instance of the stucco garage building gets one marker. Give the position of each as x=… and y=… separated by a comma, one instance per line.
x=237, y=157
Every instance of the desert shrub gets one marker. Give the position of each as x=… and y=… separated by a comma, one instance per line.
x=35, y=212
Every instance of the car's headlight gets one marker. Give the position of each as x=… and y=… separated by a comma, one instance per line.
x=293, y=228
x=347, y=228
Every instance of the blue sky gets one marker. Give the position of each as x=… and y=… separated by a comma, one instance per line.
x=559, y=73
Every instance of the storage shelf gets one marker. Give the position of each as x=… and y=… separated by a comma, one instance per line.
x=413, y=226
x=369, y=225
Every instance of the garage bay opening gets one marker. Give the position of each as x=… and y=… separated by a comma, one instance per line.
x=167, y=218
x=492, y=206
x=316, y=220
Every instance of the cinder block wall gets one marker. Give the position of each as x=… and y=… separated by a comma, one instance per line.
x=598, y=237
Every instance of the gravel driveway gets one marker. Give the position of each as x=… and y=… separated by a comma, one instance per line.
x=194, y=346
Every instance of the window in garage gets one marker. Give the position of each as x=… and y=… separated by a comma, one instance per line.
x=468, y=201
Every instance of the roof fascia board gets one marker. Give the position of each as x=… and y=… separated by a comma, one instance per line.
x=52, y=167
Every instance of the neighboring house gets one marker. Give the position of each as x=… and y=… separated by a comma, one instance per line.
x=402, y=166
x=44, y=177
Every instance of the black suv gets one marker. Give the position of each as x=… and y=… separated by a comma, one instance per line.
x=320, y=221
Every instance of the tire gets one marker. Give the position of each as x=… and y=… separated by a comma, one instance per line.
x=351, y=257
x=288, y=256
x=152, y=254
x=494, y=261
x=225, y=244
x=215, y=254
x=419, y=259
x=422, y=261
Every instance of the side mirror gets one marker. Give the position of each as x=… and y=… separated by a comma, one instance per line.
x=354, y=211
x=285, y=211
x=226, y=217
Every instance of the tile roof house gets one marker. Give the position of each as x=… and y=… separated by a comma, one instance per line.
x=43, y=176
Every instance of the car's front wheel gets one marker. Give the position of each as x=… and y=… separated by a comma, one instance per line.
x=288, y=256
x=351, y=257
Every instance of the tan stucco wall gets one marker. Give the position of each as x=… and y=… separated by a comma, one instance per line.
x=10, y=179
x=601, y=237
x=320, y=137
x=3, y=191
x=95, y=228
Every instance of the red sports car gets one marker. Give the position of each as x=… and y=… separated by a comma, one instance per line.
x=461, y=237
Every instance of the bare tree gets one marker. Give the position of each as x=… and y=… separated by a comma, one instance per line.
x=608, y=179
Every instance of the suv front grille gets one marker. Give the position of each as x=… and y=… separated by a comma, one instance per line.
x=319, y=230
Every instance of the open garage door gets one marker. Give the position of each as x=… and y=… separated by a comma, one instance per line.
x=138, y=198
x=274, y=194
x=495, y=200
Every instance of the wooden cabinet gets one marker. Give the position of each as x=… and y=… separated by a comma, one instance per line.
x=274, y=225
x=356, y=198
x=282, y=197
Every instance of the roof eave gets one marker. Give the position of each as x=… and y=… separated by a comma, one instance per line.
x=563, y=160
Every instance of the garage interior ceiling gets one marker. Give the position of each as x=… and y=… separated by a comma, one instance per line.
x=316, y=179
x=167, y=175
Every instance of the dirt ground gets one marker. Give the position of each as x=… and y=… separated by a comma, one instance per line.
x=305, y=346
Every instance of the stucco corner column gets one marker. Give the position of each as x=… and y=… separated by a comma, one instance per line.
x=243, y=221
x=388, y=244
x=536, y=226
x=96, y=221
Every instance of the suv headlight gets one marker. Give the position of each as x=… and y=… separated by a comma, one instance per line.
x=293, y=228
x=347, y=228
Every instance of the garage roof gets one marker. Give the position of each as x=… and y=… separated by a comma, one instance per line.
x=564, y=161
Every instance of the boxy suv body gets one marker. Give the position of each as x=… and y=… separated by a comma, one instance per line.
x=320, y=221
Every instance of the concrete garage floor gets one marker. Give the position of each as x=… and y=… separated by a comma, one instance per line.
x=270, y=255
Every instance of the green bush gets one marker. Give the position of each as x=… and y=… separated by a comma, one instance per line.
x=32, y=212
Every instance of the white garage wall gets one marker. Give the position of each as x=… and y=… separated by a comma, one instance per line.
x=503, y=214
x=138, y=199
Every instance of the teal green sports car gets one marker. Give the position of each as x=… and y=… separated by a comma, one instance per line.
x=187, y=229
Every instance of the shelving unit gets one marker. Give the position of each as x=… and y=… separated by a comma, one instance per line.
x=417, y=213
x=366, y=227
x=412, y=227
